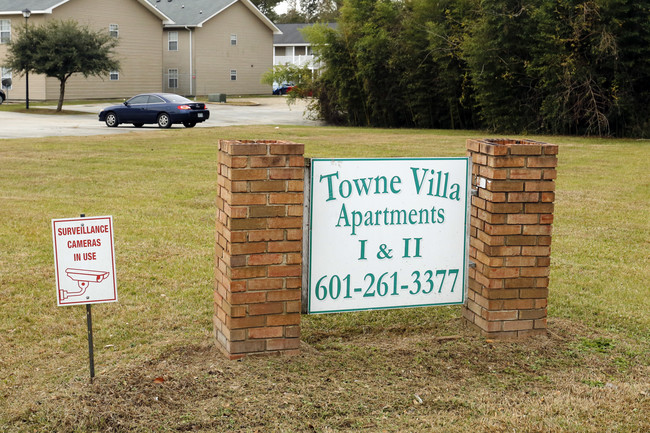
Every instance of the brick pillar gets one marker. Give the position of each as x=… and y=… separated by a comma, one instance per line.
x=510, y=236
x=259, y=244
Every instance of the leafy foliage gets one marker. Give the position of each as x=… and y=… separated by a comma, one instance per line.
x=561, y=66
x=59, y=49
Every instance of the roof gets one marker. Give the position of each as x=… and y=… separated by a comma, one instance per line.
x=15, y=7
x=194, y=13
x=291, y=34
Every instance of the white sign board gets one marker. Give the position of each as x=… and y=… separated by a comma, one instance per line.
x=84, y=259
x=388, y=233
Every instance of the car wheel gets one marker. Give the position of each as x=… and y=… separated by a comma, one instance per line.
x=111, y=120
x=164, y=121
x=189, y=124
x=138, y=125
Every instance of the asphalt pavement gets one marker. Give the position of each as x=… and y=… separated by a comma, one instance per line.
x=266, y=111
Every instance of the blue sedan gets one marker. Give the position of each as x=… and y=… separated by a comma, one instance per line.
x=164, y=109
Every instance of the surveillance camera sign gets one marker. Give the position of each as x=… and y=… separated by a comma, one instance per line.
x=388, y=233
x=84, y=259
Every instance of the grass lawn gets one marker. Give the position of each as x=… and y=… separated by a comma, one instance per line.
x=158, y=370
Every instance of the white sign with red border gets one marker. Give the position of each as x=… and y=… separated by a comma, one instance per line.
x=84, y=260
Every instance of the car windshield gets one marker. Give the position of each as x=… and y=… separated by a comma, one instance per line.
x=176, y=98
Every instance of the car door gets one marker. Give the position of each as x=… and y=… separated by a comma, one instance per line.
x=155, y=105
x=134, y=109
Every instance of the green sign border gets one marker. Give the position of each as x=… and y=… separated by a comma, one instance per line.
x=468, y=198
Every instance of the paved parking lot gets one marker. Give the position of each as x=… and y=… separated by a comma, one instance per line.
x=268, y=111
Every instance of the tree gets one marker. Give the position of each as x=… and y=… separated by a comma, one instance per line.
x=60, y=49
x=267, y=7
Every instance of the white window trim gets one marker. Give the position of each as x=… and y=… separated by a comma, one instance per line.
x=5, y=73
x=172, y=72
x=114, y=28
x=233, y=39
x=115, y=74
x=233, y=75
x=170, y=40
x=4, y=29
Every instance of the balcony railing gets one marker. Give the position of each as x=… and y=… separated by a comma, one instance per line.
x=297, y=60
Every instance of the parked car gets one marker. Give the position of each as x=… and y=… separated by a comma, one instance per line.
x=164, y=109
x=282, y=89
x=3, y=96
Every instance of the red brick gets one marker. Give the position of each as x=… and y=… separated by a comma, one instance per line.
x=523, y=197
x=249, y=174
x=533, y=293
x=284, y=295
x=500, y=315
x=532, y=314
x=535, y=272
x=264, y=259
x=267, y=211
x=494, y=173
x=542, y=161
x=539, y=186
x=245, y=322
x=286, y=173
x=283, y=319
x=240, y=199
x=525, y=174
x=246, y=148
x=249, y=272
x=536, y=251
x=268, y=161
x=286, y=148
x=525, y=149
x=502, y=229
x=266, y=235
x=285, y=271
x=248, y=248
x=266, y=308
x=508, y=161
x=510, y=208
x=266, y=332
x=285, y=198
x=285, y=246
x=505, y=186
x=248, y=346
x=240, y=298
x=516, y=325
x=282, y=344
x=520, y=240
x=265, y=284
x=522, y=219
x=285, y=223
x=268, y=185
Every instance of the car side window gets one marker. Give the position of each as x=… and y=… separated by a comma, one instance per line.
x=142, y=99
x=155, y=100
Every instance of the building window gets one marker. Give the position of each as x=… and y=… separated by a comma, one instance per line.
x=172, y=37
x=5, y=31
x=233, y=39
x=6, y=73
x=172, y=78
x=115, y=75
x=114, y=30
x=233, y=75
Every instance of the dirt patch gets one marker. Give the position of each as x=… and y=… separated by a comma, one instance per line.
x=388, y=381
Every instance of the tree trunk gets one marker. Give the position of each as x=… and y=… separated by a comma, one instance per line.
x=59, y=106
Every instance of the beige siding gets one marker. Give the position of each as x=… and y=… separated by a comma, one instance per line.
x=139, y=50
x=179, y=60
x=215, y=57
x=36, y=82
